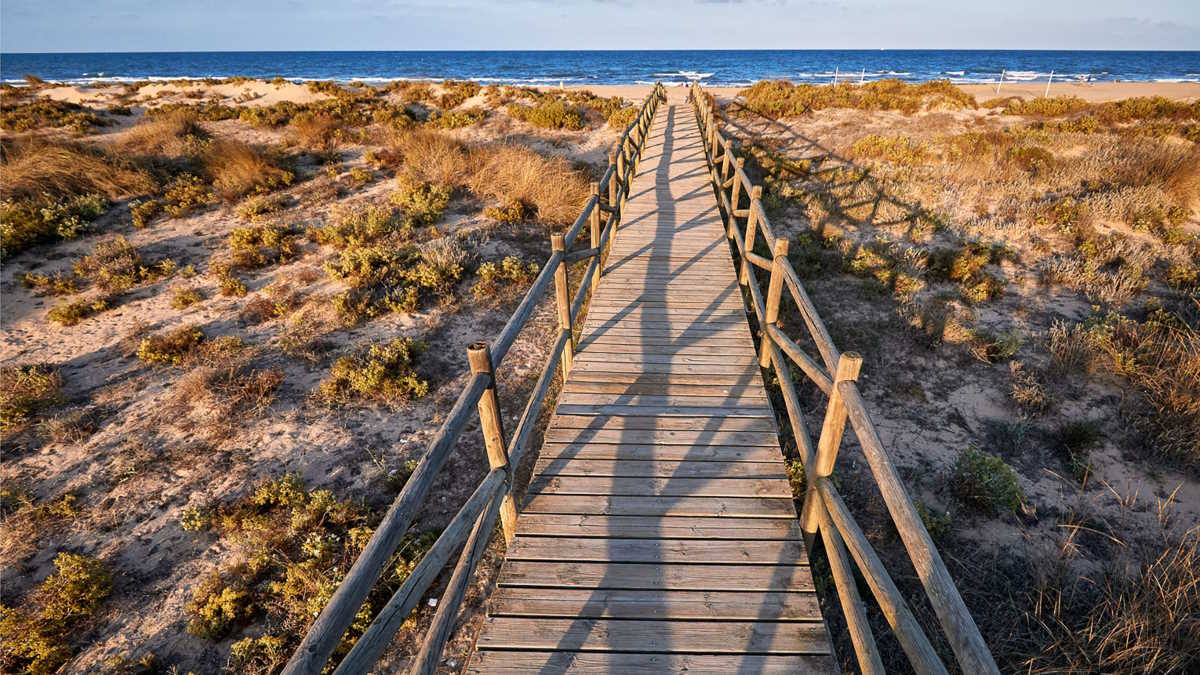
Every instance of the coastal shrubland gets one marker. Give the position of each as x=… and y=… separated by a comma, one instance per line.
x=1025, y=273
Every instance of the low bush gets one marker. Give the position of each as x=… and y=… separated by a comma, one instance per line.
x=183, y=298
x=27, y=222
x=621, y=118
x=38, y=636
x=456, y=119
x=46, y=113
x=780, y=98
x=986, y=483
x=549, y=113
x=261, y=245
x=381, y=373
x=72, y=312
x=116, y=266
x=423, y=203
x=361, y=224
x=173, y=347
x=26, y=392
x=238, y=169
x=290, y=548
x=58, y=283
x=895, y=149
x=258, y=206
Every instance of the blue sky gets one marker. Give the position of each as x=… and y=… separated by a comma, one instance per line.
x=202, y=25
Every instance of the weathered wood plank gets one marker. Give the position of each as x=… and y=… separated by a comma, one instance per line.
x=691, y=551
x=650, y=527
x=713, y=605
x=564, y=420
x=635, y=469
x=672, y=486
x=661, y=437
x=634, y=576
x=616, y=635
x=661, y=453
x=486, y=661
x=736, y=392
x=744, y=507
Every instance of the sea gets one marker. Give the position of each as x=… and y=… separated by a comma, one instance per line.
x=729, y=68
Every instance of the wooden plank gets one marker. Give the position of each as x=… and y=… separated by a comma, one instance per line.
x=691, y=551
x=673, y=486
x=564, y=420
x=688, y=469
x=712, y=605
x=662, y=437
x=487, y=661
x=661, y=453
x=600, y=399
x=748, y=369
x=634, y=576
x=678, y=527
x=609, y=635
x=717, y=411
x=742, y=507
x=643, y=357
x=738, y=391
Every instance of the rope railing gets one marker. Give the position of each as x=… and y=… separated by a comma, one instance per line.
x=836, y=374
x=472, y=526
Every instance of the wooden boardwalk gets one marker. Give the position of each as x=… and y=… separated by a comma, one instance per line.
x=659, y=533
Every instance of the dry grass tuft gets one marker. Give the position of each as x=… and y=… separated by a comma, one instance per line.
x=1142, y=623
x=25, y=392
x=59, y=170
x=238, y=169
x=511, y=173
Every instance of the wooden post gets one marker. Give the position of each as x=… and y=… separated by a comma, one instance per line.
x=492, y=426
x=559, y=245
x=848, y=366
x=751, y=233
x=621, y=174
x=595, y=240
x=774, y=293
x=612, y=181
x=735, y=192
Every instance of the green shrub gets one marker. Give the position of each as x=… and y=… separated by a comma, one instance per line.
x=515, y=212
x=42, y=113
x=456, y=119
x=50, y=284
x=1054, y=106
x=382, y=373
x=186, y=193
x=985, y=482
x=37, y=637
x=73, y=311
x=494, y=278
x=360, y=177
x=26, y=392
x=780, y=98
x=116, y=266
x=172, y=347
x=362, y=225
x=549, y=113
x=621, y=118
x=423, y=203
x=936, y=523
x=261, y=245
x=257, y=206
x=185, y=297
x=263, y=654
x=30, y=221
x=455, y=92
x=215, y=609
x=896, y=149
x=141, y=212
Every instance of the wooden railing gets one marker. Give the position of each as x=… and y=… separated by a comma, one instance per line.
x=472, y=526
x=836, y=374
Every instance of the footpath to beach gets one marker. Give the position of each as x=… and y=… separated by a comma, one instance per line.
x=659, y=533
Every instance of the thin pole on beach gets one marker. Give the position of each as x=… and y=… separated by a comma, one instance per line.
x=1048, y=79
x=1003, y=71
x=862, y=76
x=835, y=75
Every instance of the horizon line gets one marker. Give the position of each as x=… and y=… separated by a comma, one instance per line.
x=570, y=51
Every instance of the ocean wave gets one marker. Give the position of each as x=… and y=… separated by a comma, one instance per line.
x=958, y=73
x=688, y=74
